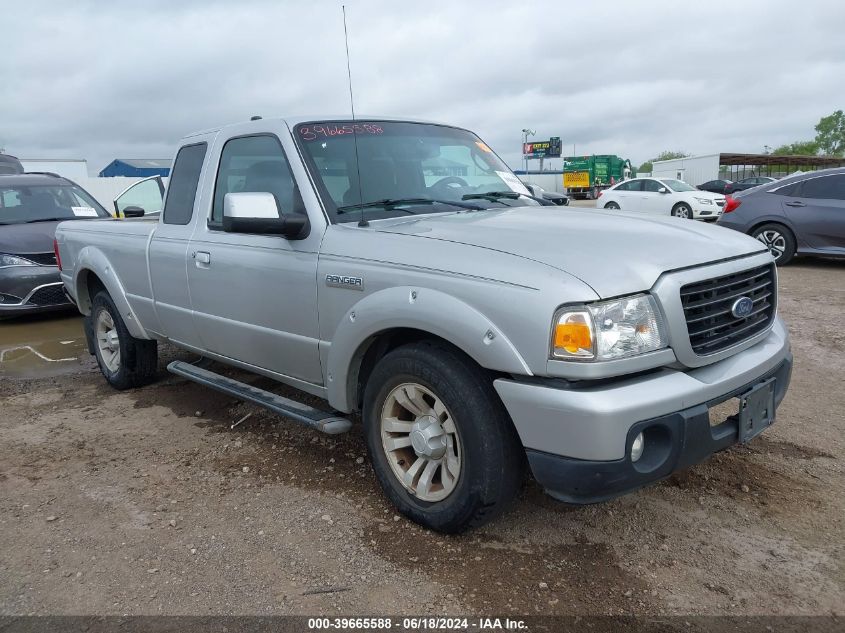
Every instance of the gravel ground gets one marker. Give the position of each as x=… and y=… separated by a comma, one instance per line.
x=147, y=502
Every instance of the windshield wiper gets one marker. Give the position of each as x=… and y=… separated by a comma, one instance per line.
x=394, y=203
x=48, y=220
x=493, y=196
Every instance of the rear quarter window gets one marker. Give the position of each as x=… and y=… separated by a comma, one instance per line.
x=184, y=180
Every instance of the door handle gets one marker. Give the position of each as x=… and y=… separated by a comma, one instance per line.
x=795, y=204
x=202, y=257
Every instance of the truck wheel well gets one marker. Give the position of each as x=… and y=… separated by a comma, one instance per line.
x=89, y=286
x=374, y=349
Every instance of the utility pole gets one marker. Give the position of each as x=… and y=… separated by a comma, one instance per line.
x=525, y=134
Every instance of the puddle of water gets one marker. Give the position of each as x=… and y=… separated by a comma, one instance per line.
x=43, y=345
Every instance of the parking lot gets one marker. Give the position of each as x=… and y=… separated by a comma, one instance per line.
x=147, y=502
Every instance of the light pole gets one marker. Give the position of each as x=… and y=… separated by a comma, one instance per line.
x=525, y=134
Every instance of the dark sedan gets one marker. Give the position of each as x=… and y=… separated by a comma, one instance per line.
x=799, y=215
x=31, y=205
x=537, y=191
x=715, y=186
x=748, y=183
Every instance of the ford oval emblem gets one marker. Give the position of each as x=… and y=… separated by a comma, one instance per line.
x=742, y=307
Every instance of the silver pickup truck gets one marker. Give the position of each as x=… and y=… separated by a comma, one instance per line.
x=399, y=270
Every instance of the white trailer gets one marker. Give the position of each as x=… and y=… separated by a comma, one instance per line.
x=694, y=170
x=548, y=180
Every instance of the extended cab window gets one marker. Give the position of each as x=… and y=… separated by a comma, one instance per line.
x=256, y=164
x=184, y=179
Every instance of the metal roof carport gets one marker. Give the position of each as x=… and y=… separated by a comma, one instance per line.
x=772, y=164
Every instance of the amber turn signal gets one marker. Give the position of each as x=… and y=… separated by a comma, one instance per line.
x=573, y=335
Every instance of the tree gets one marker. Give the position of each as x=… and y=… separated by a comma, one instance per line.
x=798, y=148
x=648, y=166
x=830, y=134
x=669, y=155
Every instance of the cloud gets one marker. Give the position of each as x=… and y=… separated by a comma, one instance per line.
x=100, y=80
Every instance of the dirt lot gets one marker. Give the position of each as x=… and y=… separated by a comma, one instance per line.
x=146, y=502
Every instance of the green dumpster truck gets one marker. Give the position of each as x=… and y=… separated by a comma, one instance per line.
x=585, y=176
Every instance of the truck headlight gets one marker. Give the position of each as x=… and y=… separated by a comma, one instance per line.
x=13, y=260
x=608, y=329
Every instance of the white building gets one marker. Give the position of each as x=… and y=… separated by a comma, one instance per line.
x=694, y=170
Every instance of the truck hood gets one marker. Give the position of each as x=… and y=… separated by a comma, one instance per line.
x=613, y=252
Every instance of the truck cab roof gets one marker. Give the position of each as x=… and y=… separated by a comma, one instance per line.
x=292, y=121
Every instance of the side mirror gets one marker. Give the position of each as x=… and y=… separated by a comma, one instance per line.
x=663, y=190
x=133, y=212
x=258, y=213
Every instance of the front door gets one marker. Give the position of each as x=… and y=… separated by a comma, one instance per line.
x=652, y=201
x=254, y=296
x=147, y=194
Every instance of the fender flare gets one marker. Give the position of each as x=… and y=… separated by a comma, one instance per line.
x=421, y=309
x=92, y=260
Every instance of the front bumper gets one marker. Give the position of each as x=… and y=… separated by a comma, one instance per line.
x=578, y=436
x=708, y=213
x=31, y=289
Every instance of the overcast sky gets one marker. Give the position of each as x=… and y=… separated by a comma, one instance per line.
x=104, y=79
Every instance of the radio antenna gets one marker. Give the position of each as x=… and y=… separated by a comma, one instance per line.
x=362, y=221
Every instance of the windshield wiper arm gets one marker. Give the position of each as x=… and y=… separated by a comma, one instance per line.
x=394, y=203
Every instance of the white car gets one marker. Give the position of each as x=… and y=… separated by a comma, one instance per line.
x=663, y=196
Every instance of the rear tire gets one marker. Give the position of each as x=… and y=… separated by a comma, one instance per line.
x=125, y=361
x=451, y=460
x=779, y=240
x=612, y=206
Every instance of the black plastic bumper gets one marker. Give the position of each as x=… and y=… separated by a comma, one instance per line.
x=674, y=442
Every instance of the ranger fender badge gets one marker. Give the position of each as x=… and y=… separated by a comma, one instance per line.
x=342, y=281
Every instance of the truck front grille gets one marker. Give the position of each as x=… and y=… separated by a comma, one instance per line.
x=49, y=296
x=708, y=308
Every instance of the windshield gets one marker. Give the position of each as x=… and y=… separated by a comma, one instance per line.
x=678, y=185
x=405, y=169
x=20, y=204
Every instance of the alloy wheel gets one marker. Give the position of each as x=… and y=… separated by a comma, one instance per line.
x=108, y=341
x=421, y=442
x=774, y=241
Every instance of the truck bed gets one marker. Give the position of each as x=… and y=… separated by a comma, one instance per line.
x=123, y=242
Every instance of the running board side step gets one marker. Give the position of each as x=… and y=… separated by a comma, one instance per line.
x=330, y=422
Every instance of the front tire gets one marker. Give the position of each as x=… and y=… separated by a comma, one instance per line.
x=124, y=360
x=443, y=447
x=779, y=240
x=612, y=206
x=682, y=210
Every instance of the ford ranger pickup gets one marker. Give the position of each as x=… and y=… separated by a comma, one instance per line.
x=401, y=272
